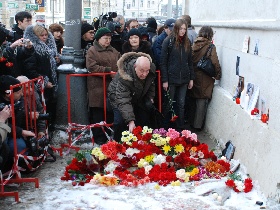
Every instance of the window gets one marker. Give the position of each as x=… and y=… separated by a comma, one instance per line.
x=142, y=3
x=133, y=3
x=141, y=14
x=133, y=14
x=128, y=6
x=148, y=4
x=153, y=2
x=148, y=14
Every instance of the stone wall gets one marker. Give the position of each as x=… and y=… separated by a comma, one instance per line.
x=257, y=144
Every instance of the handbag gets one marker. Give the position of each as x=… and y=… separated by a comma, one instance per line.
x=205, y=63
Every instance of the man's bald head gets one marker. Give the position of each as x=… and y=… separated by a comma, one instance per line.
x=142, y=67
x=28, y=89
x=22, y=79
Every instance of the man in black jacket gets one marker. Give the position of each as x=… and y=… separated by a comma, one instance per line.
x=23, y=19
x=131, y=92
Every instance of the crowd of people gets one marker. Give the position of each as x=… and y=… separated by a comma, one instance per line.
x=131, y=54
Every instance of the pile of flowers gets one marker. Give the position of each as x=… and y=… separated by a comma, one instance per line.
x=146, y=155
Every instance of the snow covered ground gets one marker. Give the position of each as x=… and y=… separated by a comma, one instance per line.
x=56, y=194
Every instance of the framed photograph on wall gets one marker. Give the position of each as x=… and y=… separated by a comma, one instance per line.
x=253, y=92
x=239, y=88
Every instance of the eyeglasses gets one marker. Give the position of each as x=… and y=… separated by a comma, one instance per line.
x=137, y=26
x=91, y=32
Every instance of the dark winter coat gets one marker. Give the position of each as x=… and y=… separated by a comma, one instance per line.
x=126, y=89
x=151, y=32
x=144, y=47
x=42, y=62
x=176, y=63
x=97, y=59
x=17, y=57
x=19, y=116
x=157, y=46
x=59, y=45
x=18, y=33
x=204, y=84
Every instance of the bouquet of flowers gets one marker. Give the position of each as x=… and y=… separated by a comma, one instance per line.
x=80, y=169
x=238, y=185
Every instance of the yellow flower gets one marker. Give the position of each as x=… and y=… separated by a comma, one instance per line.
x=98, y=154
x=166, y=149
x=175, y=183
x=149, y=158
x=142, y=163
x=194, y=172
x=97, y=177
x=157, y=187
x=179, y=148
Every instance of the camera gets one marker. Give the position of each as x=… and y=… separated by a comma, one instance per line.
x=44, y=116
x=16, y=105
x=9, y=34
x=37, y=145
x=107, y=21
x=26, y=42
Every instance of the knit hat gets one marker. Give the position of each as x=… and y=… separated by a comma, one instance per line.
x=6, y=81
x=170, y=23
x=101, y=32
x=86, y=27
x=152, y=23
x=134, y=31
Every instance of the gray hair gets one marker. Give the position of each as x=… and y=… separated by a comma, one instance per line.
x=118, y=18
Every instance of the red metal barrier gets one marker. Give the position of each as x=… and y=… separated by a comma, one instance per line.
x=73, y=126
x=14, y=175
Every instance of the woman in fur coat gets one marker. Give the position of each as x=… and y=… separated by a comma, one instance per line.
x=43, y=63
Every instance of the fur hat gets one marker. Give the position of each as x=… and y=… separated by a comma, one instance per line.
x=134, y=31
x=152, y=23
x=6, y=81
x=86, y=27
x=101, y=32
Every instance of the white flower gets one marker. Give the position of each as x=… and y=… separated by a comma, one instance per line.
x=159, y=159
x=120, y=156
x=131, y=151
x=147, y=169
x=239, y=185
x=200, y=154
x=181, y=174
x=223, y=158
x=111, y=166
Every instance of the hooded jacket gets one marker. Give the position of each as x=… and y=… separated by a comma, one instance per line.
x=126, y=90
x=203, y=84
x=42, y=62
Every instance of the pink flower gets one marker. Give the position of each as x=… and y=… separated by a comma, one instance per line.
x=193, y=136
x=186, y=133
x=172, y=133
